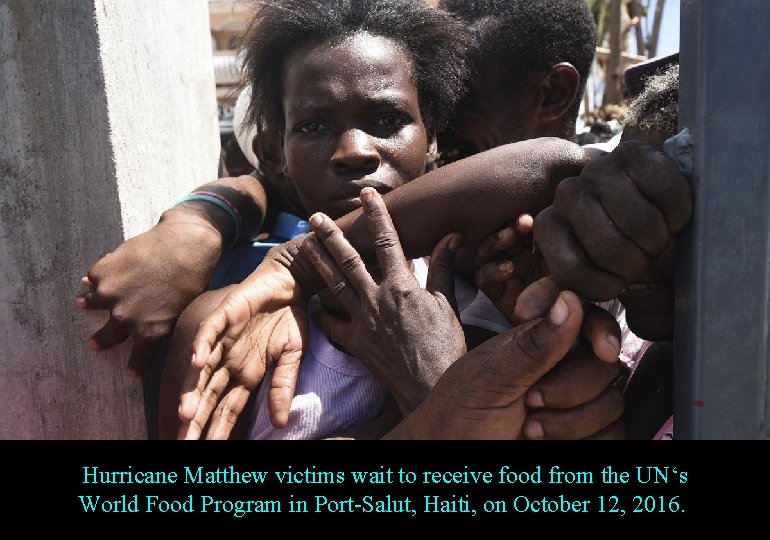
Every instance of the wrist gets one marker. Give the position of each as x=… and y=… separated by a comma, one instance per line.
x=218, y=210
x=293, y=258
x=210, y=228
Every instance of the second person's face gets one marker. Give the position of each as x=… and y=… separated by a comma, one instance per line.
x=352, y=120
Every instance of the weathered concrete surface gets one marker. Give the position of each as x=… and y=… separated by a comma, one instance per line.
x=109, y=114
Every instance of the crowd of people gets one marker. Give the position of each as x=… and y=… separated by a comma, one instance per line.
x=423, y=250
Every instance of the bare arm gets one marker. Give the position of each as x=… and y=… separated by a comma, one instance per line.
x=474, y=197
x=149, y=279
x=247, y=196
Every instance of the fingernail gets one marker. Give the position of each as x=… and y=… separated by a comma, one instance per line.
x=80, y=302
x=614, y=343
x=367, y=194
x=310, y=244
x=193, y=359
x=93, y=345
x=132, y=373
x=454, y=243
x=524, y=220
x=559, y=311
x=535, y=399
x=533, y=429
x=85, y=281
x=505, y=267
x=316, y=219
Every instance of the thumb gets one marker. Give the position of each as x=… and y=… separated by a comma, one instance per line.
x=538, y=349
x=536, y=299
x=441, y=275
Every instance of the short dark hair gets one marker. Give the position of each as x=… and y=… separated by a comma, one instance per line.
x=527, y=36
x=437, y=44
x=657, y=107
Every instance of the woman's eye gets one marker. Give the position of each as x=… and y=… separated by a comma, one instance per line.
x=390, y=120
x=310, y=127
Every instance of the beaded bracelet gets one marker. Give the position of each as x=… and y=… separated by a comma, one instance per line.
x=223, y=203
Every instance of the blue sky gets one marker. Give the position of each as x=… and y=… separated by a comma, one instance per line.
x=667, y=44
x=669, y=29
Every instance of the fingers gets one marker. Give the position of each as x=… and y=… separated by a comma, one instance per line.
x=282, y=387
x=208, y=397
x=227, y=413
x=194, y=384
x=93, y=298
x=141, y=355
x=491, y=278
x=569, y=263
x=659, y=179
x=602, y=331
x=578, y=379
x=507, y=241
x=441, y=275
x=344, y=265
x=633, y=215
x=390, y=255
x=535, y=351
x=597, y=232
x=206, y=343
x=524, y=224
x=89, y=299
x=114, y=332
x=577, y=423
x=606, y=225
x=334, y=279
x=535, y=301
x=287, y=348
x=496, y=244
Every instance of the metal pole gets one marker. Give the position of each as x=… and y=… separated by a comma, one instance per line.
x=721, y=341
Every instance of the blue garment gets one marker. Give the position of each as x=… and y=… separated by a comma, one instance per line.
x=238, y=263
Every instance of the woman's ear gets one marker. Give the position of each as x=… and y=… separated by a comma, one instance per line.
x=559, y=90
x=270, y=154
x=432, y=153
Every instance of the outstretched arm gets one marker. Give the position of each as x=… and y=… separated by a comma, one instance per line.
x=475, y=196
x=408, y=336
x=149, y=279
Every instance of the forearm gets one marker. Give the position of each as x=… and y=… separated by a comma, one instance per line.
x=475, y=197
x=247, y=202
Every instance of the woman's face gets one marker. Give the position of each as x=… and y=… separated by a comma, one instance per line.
x=352, y=119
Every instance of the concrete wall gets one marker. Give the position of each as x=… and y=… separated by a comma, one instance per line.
x=109, y=114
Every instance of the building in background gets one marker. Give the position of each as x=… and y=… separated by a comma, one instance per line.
x=229, y=20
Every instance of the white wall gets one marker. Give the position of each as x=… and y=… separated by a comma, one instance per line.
x=109, y=115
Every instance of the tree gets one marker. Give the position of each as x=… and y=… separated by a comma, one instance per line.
x=615, y=19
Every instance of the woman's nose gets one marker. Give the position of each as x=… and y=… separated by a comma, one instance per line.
x=356, y=150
